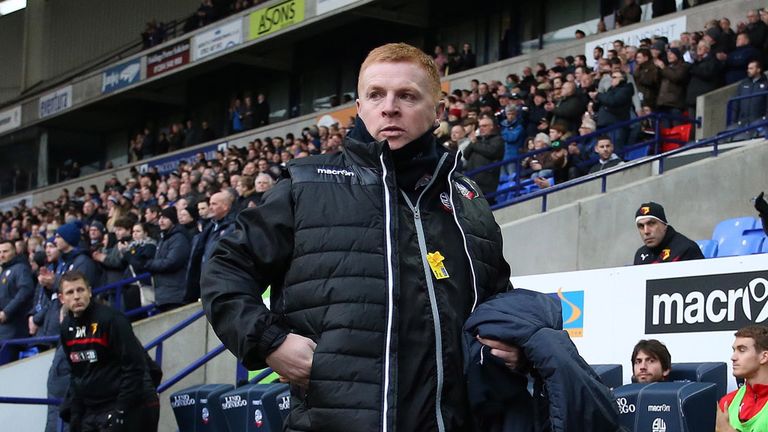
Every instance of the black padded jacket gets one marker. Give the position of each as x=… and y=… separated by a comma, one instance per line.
x=344, y=252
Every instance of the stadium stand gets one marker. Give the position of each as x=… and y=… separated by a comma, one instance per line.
x=541, y=97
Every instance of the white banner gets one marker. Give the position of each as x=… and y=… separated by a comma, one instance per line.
x=669, y=28
x=10, y=119
x=693, y=307
x=55, y=102
x=217, y=39
x=324, y=6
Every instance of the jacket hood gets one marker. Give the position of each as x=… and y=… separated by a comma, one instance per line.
x=74, y=253
x=18, y=259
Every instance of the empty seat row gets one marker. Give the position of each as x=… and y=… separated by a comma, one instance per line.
x=735, y=237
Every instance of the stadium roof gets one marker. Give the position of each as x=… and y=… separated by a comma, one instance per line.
x=10, y=6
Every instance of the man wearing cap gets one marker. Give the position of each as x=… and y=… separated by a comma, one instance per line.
x=662, y=242
x=170, y=262
x=74, y=257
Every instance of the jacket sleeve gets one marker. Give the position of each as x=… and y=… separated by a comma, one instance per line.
x=114, y=260
x=708, y=70
x=492, y=148
x=175, y=258
x=241, y=266
x=25, y=290
x=570, y=108
x=618, y=98
x=132, y=363
x=90, y=269
x=677, y=75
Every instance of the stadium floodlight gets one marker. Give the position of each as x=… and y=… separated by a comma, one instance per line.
x=10, y=6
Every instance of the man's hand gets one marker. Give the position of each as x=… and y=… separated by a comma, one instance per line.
x=3, y=318
x=722, y=424
x=659, y=64
x=32, y=326
x=721, y=56
x=509, y=353
x=293, y=359
x=46, y=277
x=98, y=256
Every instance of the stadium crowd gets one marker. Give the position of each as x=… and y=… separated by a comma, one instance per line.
x=549, y=107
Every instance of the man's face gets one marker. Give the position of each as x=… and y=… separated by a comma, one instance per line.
x=753, y=70
x=51, y=252
x=262, y=184
x=568, y=89
x=61, y=244
x=752, y=17
x=7, y=252
x=647, y=369
x=75, y=295
x=486, y=126
x=616, y=78
x=604, y=148
x=652, y=231
x=219, y=206
x=746, y=359
x=457, y=133
x=94, y=234
x=597, y=54
x=702, y=50
x=165, y=223
x=88, y=208
x=641, y=58
x=202, y=208
x=121, y=232
x=150, y=216
x=396, y=103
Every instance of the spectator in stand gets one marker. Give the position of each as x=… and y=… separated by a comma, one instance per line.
x=570, y=107
x=222, y=222
x=674, y=80
x=246, y=192
x=728, y=36
x=111, y=258
x=706, y=75
x=608, y=159
x=663, y=7
x=647, y=77
x=141, y=248
x=235, y=116
x=261, y=111
x=206, y=133
x=440, y=59
x=651, y=362
x=169, y=264
x=17, y=289
x=513, y=134
x=532, y=165
x=44, y=320
x=748, y=110
x=204, y=15
x=579, y=34
x=191, y=134
x=73, y=257
x=756, y=29
x=248, y=114
x=486, y=147
x=614, y=106
x=739, y=59
x=629, y=14
x=581, y=151
x=661, y=242
x=468, y=58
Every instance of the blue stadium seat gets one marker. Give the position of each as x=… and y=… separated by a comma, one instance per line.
x=744, y=245
x=256, y=407
x=676, y=407
x=667, y=406
x=708, y=248
x=637, y=153
x=732, y=228
x=709, y=372
x=610, y=374
x=764, y=248
x=197, y=408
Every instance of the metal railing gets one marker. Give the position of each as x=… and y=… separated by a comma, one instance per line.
x=729, y=111
x=654, y=144
x=603, y=175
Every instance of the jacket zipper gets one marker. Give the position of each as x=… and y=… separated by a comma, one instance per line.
x=432, y=297
x=461, y=230
x=390, y=292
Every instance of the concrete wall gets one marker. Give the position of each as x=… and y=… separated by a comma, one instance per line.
x=599, y=231
x=11, y=30
x=713, y=110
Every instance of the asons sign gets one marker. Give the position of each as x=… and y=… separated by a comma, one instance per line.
x=706, y=303
x=271, y=19
x=168, y=59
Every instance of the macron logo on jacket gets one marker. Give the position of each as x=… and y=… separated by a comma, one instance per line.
x=334, y=171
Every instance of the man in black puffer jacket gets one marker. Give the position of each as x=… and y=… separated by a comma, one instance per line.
x=375, y=257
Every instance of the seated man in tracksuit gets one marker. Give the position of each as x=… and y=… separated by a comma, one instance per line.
x=661, y=242
x=110, y=387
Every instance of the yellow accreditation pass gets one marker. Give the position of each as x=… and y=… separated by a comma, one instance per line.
x=435, y=260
